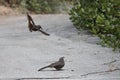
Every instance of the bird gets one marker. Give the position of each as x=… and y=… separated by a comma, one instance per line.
x=33, y=27
x=57, y=65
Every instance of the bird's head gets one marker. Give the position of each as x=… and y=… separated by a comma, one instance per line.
x=61, y=59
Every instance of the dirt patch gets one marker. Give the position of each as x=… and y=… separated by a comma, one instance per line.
x=9, y=11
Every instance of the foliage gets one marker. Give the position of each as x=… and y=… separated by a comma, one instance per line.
x=101, y=17
x=40, y=6
x=37, y=6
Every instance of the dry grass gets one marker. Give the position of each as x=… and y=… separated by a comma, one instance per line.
x=9, y=11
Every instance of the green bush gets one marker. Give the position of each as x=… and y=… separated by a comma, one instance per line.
x=101, y=17
x=45, y=6
x=40, y=6
x=37, y=6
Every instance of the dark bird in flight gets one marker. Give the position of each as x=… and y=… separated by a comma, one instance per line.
x=33, y=27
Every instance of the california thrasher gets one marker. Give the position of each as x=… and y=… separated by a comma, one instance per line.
x=57, y=65
x=33, y=27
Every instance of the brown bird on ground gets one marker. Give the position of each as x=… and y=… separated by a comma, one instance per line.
x=33, y=27
x=57, y=65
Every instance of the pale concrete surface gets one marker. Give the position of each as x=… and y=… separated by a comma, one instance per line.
x=22, y=53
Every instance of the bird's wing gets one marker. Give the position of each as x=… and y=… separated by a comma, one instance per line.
x=55, y=64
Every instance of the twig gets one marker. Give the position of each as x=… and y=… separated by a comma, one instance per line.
x=100, y=72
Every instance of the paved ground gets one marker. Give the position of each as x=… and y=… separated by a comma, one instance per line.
x=22, y=53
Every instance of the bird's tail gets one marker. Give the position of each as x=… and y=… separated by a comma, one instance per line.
x=43, y=68
x=44, y=33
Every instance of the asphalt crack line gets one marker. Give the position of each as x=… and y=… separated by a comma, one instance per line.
x=110, y=62
x=107, y=71
x=45, y=78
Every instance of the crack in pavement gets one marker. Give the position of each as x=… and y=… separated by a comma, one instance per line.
x=45, y=78
x=100, y=72
x=109, y=62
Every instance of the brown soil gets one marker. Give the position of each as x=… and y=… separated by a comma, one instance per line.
x=9, y=11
